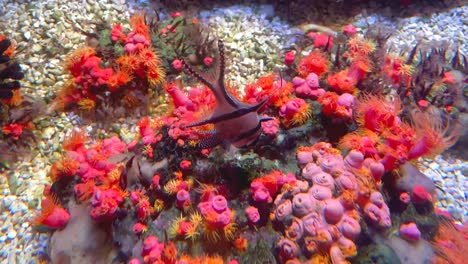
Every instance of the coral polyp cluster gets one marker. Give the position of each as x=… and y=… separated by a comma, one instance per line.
x=320, y=216
x=98, y=77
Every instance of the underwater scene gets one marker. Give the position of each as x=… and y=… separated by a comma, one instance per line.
x=180, y=132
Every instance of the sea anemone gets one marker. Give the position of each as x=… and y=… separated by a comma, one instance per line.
x=295, y=112
x=52, y=215
x=432, y=135
x=315, y=62
x=377, y=113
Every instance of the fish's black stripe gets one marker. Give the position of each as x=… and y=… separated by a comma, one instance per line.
x=248, y=133
x=234, y=114
x=238, y=113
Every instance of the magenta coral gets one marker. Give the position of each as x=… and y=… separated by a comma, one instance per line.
x=105, y=203
x=410, y=231
x=327, y=211
x=252, y=214
x=216, y=212
x=264, y=188
x=308, y=87
x=183, y=201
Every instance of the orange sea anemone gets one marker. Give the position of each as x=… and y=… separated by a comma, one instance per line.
x=377, y=113
x=118, y=79
x=366, y=142
x=341, y=82
x=74, y=61
x=360, y=47
x=139, y=25
x=450, y=243
x=128, y=63
x=76, y=140
x=155, y=75
x=52, y=215
x=432, y=135
x=315, y=62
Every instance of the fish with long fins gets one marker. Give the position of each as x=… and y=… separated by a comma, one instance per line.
x=235, y=122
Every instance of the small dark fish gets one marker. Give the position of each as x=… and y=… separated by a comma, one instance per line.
x=235, y=122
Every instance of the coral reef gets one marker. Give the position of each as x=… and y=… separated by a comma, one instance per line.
x=314, y=163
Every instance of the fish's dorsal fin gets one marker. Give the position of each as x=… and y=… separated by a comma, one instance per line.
x=221, y=82
x=217, y=86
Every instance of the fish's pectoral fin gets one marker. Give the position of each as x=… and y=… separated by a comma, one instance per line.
x=211, y=142
x=260, y=105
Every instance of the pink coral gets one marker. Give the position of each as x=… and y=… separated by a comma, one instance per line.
x=304, y=203
x=252, y=214
x=326, y=211
x=208, y=61
x=216, y=212
x=270, y=127
x=320, y=192
x=354, y=159
x=308, y=87
x=264, y=188
x=420, y=195
x=152, y=250
x=349, y=30
x=105, y=203
x=179, y=98
x=349, y=227
x=410, y=231
x=289, y=58
x=287, y=250
x=333, y=211
x=136, y=42
x=283, y=210
x=183, y=199
x=295, y=111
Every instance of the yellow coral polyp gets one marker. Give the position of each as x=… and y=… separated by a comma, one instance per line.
x=77, y=55
x=172, y=231
x=171, y=186
x=192, y=233
x=229, y=231
x=113, y=176
x=86, y=104
x=155, y=75
x=158, y=205
x=405, y=70
x=304, y=114
x=128, y=63
x=361, y=46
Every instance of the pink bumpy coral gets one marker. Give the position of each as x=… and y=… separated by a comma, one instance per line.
x=324, y=215
x=410, y=232
x=252, y=214
x=216, y=211
x=308, y=87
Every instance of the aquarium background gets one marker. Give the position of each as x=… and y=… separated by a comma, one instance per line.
x=364, y=161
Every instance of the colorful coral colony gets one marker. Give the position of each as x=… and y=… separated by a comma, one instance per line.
x=290, y=199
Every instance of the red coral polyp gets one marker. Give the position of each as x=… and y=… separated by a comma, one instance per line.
x=105, y=203
x=315, y=62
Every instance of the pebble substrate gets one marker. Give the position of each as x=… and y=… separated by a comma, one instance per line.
x=44, y=34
